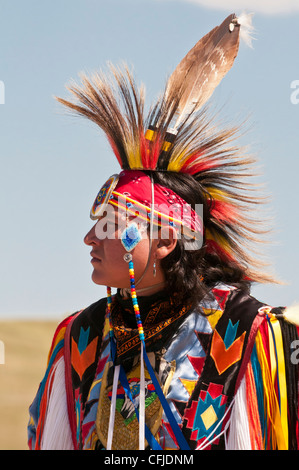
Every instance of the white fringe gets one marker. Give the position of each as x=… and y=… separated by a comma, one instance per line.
x=141, y=403
x=112, y=408
x=57, y=432
x=239, y=437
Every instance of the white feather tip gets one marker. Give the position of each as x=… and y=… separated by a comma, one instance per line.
x=247, y=28
x=291, y=314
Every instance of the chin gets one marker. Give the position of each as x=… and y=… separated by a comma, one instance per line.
x=98, y=279
x=101, y=280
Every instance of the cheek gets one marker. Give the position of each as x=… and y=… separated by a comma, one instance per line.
x=114, y=270
x=114, y=255
x=140, y=257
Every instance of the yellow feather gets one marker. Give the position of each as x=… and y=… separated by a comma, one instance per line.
x=177, y=160
x=219, y=240
x=133, y=155
x=218, y=194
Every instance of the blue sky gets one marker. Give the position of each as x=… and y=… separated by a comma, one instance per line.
x=52, y=165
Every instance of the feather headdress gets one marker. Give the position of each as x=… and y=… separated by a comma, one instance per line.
x=178, y=136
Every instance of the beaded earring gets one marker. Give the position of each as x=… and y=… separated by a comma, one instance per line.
x=129, y=239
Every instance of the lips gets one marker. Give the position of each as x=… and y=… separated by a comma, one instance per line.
x=95, y=258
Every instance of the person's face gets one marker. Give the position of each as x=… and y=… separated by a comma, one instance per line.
x=109, y=266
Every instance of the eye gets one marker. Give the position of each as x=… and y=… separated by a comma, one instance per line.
x=106, y=228
x=112, y=224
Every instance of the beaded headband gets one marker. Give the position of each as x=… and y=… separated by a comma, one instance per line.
x=130, y=191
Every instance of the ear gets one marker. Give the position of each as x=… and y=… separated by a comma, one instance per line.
x=167, y=242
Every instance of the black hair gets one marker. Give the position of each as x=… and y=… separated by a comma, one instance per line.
x=190, y=274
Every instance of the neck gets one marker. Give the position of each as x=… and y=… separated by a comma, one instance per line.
x=149, y=290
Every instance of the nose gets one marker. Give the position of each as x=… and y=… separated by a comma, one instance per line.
x=90, y=238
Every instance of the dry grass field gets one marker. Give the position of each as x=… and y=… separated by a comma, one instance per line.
x=26, y=346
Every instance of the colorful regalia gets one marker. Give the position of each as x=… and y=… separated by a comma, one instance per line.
x=159, y=372
x=229, y=371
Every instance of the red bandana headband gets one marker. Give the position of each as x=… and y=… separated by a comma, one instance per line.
x=131, y=191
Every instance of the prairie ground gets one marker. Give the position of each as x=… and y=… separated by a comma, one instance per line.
x=26, y=347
